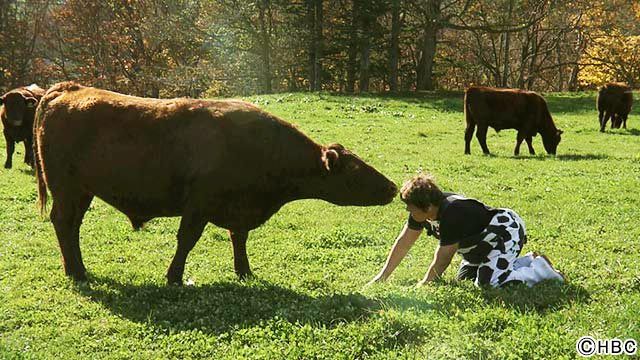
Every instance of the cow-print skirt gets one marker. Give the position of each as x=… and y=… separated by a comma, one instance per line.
x=496, y=255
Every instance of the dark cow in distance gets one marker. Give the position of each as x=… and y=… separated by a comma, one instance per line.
x=614, y=102
x=221, y=162
x=19, y=107
x=525, y=111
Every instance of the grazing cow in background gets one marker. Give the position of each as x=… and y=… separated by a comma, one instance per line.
x=614, y=101
x=17, y=120
x=500, y=109
x=223, y=162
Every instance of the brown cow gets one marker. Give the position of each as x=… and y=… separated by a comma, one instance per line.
x=614, y=101
x=223, y=162
x=501, y=109
x=17, y=120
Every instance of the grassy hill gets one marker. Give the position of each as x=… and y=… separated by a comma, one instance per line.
x=312, y=258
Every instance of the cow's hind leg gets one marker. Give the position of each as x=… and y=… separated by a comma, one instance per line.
x=240, y=259
x=137, y=222
x=191, y=227
x=468, y=135
x=607, y=115
x=66, y=215
x=10, y=148
x=624, y=121
x=481, y=134
x=28, y=152
x=600, y=117
x=615, y=121
x=519, y=139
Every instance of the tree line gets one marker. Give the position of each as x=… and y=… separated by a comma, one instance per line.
x=198, y=48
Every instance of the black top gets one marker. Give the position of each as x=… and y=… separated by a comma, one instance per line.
x=459, y=220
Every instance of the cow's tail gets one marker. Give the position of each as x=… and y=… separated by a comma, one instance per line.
x=468, y=117
x=40, y=176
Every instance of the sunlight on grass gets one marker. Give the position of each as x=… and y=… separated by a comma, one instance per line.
x=312, y=258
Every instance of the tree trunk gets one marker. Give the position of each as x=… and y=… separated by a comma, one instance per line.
x=353, y=47
x=507, y=43
x=314, y=20
x=560, y=85
x=394, y=49
x=532, y=73
x=427, y=46
x=428, y=54
x=317, y=64
x=265, y=48
x=364, y=56
x=311, y=21
x=575, y=69
x=523, y=58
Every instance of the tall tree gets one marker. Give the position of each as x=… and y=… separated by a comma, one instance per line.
x=394, y=45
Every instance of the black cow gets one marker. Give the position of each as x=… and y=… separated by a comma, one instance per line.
x=17, y=119
x=614, y=102
x=501, y=109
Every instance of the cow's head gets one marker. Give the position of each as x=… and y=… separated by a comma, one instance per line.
x=551, y=142
x=350, y=181
x=16, y=106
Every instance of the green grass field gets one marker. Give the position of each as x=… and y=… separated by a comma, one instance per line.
x=312, y=258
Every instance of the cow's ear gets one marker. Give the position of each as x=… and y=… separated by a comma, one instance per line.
x=330, y=159
x=31, y=102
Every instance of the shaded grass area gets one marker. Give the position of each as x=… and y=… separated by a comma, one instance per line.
x=312, y=259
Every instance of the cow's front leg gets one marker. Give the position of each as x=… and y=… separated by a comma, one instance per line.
x=10, y=147
x=240, y=259
x=191, y=227
x=530, y=145
x=28, y=152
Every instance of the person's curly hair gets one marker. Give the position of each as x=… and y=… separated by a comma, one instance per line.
x=421, y=191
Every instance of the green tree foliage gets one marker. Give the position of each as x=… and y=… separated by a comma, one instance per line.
x=196, y=48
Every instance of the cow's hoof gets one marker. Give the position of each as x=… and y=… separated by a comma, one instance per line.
x=7, y=165
x=174, y=279
x=80, y=277
x=245, y=276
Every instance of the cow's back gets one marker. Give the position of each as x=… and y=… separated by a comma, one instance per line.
x=616, y=98
x=142, y=155
x=502, y=108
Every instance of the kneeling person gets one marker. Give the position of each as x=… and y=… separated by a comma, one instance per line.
x=489, y=240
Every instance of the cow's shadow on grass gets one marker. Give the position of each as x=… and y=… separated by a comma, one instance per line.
x=28, y=171
x=226, y=305
x=562, y=157
x=628, y=132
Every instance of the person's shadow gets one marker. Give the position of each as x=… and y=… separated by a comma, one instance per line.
x=541, y=298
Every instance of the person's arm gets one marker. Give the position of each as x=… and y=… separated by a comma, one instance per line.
x=404, y=242
x=441, y=260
